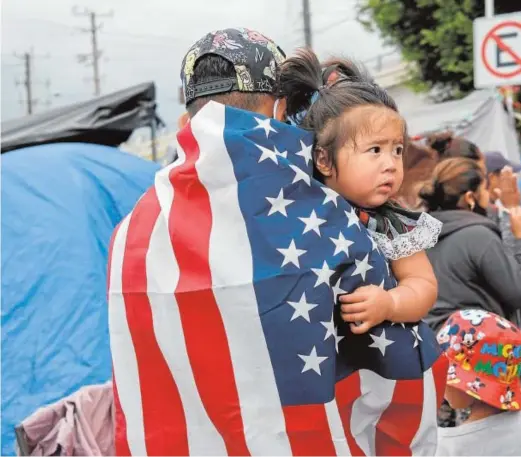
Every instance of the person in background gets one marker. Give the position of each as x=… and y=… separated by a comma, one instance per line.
x=448, y=146
x=505, y=198
x=471, y=265
x=484, y=351
x=418, y=164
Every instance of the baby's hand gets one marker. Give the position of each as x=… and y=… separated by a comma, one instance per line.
x=369, y=305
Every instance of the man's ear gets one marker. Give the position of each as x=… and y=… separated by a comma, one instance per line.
x=322, y=162
x=280, y=115
x=183, y=119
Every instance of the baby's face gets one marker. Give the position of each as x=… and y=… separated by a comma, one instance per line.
x=370, y=165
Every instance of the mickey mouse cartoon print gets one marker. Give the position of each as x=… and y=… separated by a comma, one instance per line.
x=474, y=387
x=469, y=339
x=474, y=316
x=507, y=400
x=452, y=375
x=484, y=357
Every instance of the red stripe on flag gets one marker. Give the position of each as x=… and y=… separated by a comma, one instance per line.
x=401, y=420
x=120, y=425
x=163, y=414
x=439, y=371
x=190, y=224
x=346, y=392
x=308, y=430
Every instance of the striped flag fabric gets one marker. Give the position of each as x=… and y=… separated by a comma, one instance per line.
x=225, y=336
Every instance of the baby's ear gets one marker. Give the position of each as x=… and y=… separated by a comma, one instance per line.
x=323, y=162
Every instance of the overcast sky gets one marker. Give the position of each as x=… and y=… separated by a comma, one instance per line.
x=146, y=40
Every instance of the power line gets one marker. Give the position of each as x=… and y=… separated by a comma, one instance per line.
x=333, y=24
x=94, y=56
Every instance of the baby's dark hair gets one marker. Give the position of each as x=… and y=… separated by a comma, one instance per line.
x=325, y=92
x=451, y=179
x=448, y=145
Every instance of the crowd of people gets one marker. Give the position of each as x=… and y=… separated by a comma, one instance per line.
x=443, y=220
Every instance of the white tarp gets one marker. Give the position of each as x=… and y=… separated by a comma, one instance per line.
x=479, y=117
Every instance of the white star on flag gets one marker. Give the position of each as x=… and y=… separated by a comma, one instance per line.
x=382, y=284
x=337, y=290
x=331, y=196
x=396, y=323
x=352, y=218
x=300, y=175
x=362, y=267
x=267, y=154
x=312, y=361
x=279, y=203
x=312, y=223
x=374, y=246
x=305, y=152
x=331, y=331
x=341, y=244
x=281, y=154
x=380, y=342
x=324, y=274
x=416, y=335
x=291, y=254
x=302, y=308
x=266, y=125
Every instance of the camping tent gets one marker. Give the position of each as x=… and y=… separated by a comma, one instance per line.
x=60, y=204
x=108, y=120
x=479, y=117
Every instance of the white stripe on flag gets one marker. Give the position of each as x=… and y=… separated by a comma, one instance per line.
x=376, y=395
x=164, y=189
x=123, y=355
x=162, y=279
x=426, y=439
x=231, y=265
x=337, y=430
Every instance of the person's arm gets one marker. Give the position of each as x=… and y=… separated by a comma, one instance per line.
x=508, y=201
x=411, y=300
x=510, y=242
x=417, y=288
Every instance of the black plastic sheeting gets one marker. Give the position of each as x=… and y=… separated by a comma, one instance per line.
x=108, y=120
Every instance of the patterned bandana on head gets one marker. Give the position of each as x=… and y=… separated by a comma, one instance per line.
x=484, y=351
x=255, y=57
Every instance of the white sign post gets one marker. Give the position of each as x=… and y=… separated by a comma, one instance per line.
x=497, y=51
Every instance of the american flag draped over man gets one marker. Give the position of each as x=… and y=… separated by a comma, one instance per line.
x=224, y=333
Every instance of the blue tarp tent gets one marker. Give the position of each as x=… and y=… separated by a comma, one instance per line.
x=60, y=204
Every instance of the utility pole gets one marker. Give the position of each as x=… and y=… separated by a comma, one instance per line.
x=307, y=23
x=27, y=58
x=94, y=56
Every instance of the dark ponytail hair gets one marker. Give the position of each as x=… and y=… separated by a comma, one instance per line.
x=318, y=95
x=451, y=179
x=447, y=146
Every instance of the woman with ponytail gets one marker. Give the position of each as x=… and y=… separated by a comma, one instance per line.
x=470, y=262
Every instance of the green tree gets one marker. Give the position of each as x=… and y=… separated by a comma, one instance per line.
x=434, y=34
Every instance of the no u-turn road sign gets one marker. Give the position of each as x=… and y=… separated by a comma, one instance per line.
x=497, y=51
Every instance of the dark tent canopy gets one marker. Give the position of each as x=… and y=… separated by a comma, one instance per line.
x=108, y=120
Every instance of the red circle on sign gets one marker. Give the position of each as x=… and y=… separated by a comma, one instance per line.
x=489, y=36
